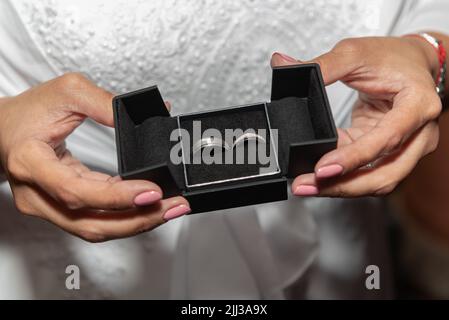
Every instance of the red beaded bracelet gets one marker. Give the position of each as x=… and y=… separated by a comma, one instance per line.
x=441, y=52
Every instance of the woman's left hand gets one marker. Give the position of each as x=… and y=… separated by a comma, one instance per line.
x=394, y=121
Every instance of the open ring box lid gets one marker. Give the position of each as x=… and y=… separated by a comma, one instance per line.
x=298, y=113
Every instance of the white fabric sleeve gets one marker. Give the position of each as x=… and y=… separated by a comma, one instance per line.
x=423, y=15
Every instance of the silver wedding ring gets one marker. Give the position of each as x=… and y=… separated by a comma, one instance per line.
x=210, y=142
x=214, y=142
x=248, y=137
x=370, y=166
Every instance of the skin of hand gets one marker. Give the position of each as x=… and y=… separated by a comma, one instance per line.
x=48, y=182
x=394, y=121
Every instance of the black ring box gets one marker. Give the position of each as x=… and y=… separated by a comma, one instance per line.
x=299, y=111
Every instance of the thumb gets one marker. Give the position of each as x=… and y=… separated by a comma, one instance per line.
x=96, y=103
x=89, y=99
x=83, y=97
x=281, y=59
x=334, y=65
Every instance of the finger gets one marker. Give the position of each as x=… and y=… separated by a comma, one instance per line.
x=87, y=98
x=305, y=185
x=389, y=133
x=67, y=159
x=335, y=65
x=279, y=59
x=94, y=226
x=134, y=222
x=93, y=175
x=345, y=137
x=73, y=190
x=381, y=180
x=84, y=97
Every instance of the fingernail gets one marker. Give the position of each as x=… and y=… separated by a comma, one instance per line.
x=305, y=191
x=176, y=212
x=147, y=198
x=286, y=57
x=329, y=171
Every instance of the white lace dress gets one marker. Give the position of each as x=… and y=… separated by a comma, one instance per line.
x=202, y=54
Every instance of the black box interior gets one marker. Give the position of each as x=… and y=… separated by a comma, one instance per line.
x=298, y=110
x=246, y=118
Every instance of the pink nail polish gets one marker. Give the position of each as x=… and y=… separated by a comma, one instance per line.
x=305, y=191
x=176, y=212
x=287, y=57
x=147, y=198
x=329, y=171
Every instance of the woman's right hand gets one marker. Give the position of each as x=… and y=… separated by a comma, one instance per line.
x=48, y=182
